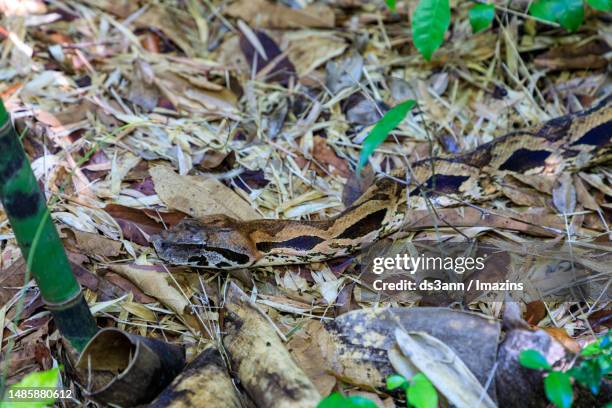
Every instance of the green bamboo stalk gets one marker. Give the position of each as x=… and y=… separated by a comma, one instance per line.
x=40, y=245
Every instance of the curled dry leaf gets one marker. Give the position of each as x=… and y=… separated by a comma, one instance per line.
x=262, y=363
x=205, y=382
x=154, y=282
x=444, y=368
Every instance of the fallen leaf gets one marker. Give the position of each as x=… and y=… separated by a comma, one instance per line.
x=154, y=282
x=11, y=280
x=124, y=285
x=262, y=13
x=198, y=196
x=444, y=369
x=559, y=334
x=273, y=65
x=135, y=224
x=564, y=194
x=601, y=319
x=96, y=244
x=535, y=312
x=304, y=348
x=323, y=153
x=356, y=185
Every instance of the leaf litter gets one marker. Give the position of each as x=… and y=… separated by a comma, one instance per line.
x=138, y=114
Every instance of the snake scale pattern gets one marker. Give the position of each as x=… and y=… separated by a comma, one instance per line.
x=559, y=146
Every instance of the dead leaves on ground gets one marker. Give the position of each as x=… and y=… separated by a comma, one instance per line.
x=199, y=197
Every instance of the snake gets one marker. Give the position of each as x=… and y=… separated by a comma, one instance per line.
x=563, y=145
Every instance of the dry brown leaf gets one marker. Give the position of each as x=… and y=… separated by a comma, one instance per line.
x=259, y=357
x=327, y=156
x=468, y=217
x=584, y=197
x=11, y=279
x=198, y=196
x=572, y=56
x=137, y=225
x=305, y=349
x=262, y=13
x=535, y=312
x=154, y=283
x=522, y=195
x=564, y=194
x=95, y=244
x=115, y=285
x=559, y=334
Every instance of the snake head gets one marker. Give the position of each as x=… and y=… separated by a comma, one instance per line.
x=211, y=244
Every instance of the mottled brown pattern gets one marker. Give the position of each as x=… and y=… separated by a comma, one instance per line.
x=549, y=149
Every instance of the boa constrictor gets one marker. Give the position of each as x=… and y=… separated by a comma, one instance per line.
x=562, y=145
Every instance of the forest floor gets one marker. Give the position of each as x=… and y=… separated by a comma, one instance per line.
x=136, y=114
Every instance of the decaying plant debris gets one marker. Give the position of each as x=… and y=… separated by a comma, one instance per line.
x=136, y=114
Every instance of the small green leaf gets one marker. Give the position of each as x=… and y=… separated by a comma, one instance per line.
x=558, y=389
x=41, y=379
x=591, y=350
x=601, y=5
x=429, y=23
x=573, y=14
x=391, y=4
x=335, y=400
x=545, y=10
x=568, y=13
x=357, y=401
x=481, y=16
x=533, y=359
x=381, y=130
x=589, y=374
x=421, y=393
x=396, y=381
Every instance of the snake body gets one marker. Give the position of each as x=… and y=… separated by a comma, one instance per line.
x=562, y=145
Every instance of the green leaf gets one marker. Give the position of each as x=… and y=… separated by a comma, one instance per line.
x=481, y=16
x=429, y=23
x=601, y=5
x=396, y=381
x=568, y=13
x=422, y=393
x=382, y=129
x=391, y=4
x=591, y=350
x=335, y=400
x=357, y=401
x=558, y=389
x=589, y=374
x=41, y=379
x=573, y=14
x=533, y=359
